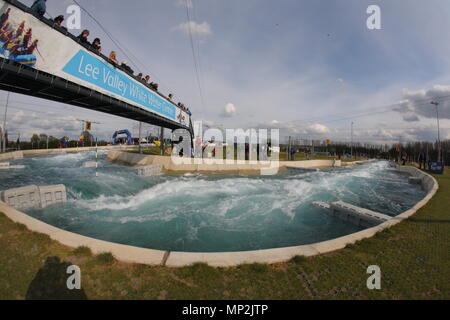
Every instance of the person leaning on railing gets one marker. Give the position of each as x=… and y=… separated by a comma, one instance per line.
x=127, y=68
x=96, y=45
x=113, y=58
x=39, y=7
x=83, y=37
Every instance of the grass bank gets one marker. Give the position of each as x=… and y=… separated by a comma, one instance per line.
x=413, y=256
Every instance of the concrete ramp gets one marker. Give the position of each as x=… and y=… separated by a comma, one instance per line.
x=8, y=166
x=34, y=197
x=149, y=171
x=356, y=215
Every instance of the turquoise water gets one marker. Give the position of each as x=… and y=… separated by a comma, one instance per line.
x=208, y=213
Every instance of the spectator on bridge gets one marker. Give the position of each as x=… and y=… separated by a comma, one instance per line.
x=96, y=44
x=4, y=17
x=58, y=20
x=39, y=7
x=170, y=97
x=139, y=76
x=154, y=86
x=127, y=68
x=83, y=37
x=146, y=79
x=113, y=58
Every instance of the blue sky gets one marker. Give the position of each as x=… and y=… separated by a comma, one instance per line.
x=275, y=62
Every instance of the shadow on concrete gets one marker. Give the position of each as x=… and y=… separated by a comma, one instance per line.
x=50, y=283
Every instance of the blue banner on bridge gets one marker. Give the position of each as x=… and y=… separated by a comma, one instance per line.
x=100, y=73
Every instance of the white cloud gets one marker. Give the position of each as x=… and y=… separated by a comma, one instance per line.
x=418, y=103
x=318, y=129
x=229, y=110
x=200, y=29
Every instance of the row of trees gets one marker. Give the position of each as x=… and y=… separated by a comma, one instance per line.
x=410, y=150
x=44, y=141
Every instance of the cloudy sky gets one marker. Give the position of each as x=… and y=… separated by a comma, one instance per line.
x=308, y=67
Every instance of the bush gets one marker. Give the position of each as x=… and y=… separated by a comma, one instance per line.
x=106, y=257
x=298, y=259
x=21, y=227
x=82, y=251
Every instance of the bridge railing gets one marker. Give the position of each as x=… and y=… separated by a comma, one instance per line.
x=91, y=50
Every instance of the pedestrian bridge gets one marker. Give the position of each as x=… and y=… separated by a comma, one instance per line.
x=41, y=59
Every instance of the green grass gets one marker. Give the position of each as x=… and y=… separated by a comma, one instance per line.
x=302, y=156
x=413, y=256
x=153, y=151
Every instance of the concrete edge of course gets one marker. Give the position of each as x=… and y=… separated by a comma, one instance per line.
x=221, y=259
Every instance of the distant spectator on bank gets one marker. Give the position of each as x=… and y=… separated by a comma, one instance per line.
x=83, y=37
x=4, y=17
x=113, y=58
x=58, y=20
x=422, y=160
x=39, y=7
x=96, y=44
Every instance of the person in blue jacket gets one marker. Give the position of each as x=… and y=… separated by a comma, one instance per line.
x=39, y=7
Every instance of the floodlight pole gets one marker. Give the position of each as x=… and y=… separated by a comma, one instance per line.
x=161, y=138
x=438, y=129
x=139, y=141
x=4, y=123
x=351, y=140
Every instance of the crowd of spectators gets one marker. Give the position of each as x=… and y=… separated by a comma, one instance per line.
x=39, y=7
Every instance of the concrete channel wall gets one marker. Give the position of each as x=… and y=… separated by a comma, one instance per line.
x=42, y=152
x=221, y=259
x=209, y=165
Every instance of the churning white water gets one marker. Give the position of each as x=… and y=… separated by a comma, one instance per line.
x=206, y=213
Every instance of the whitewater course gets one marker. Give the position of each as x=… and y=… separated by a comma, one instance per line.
x=223, y=218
